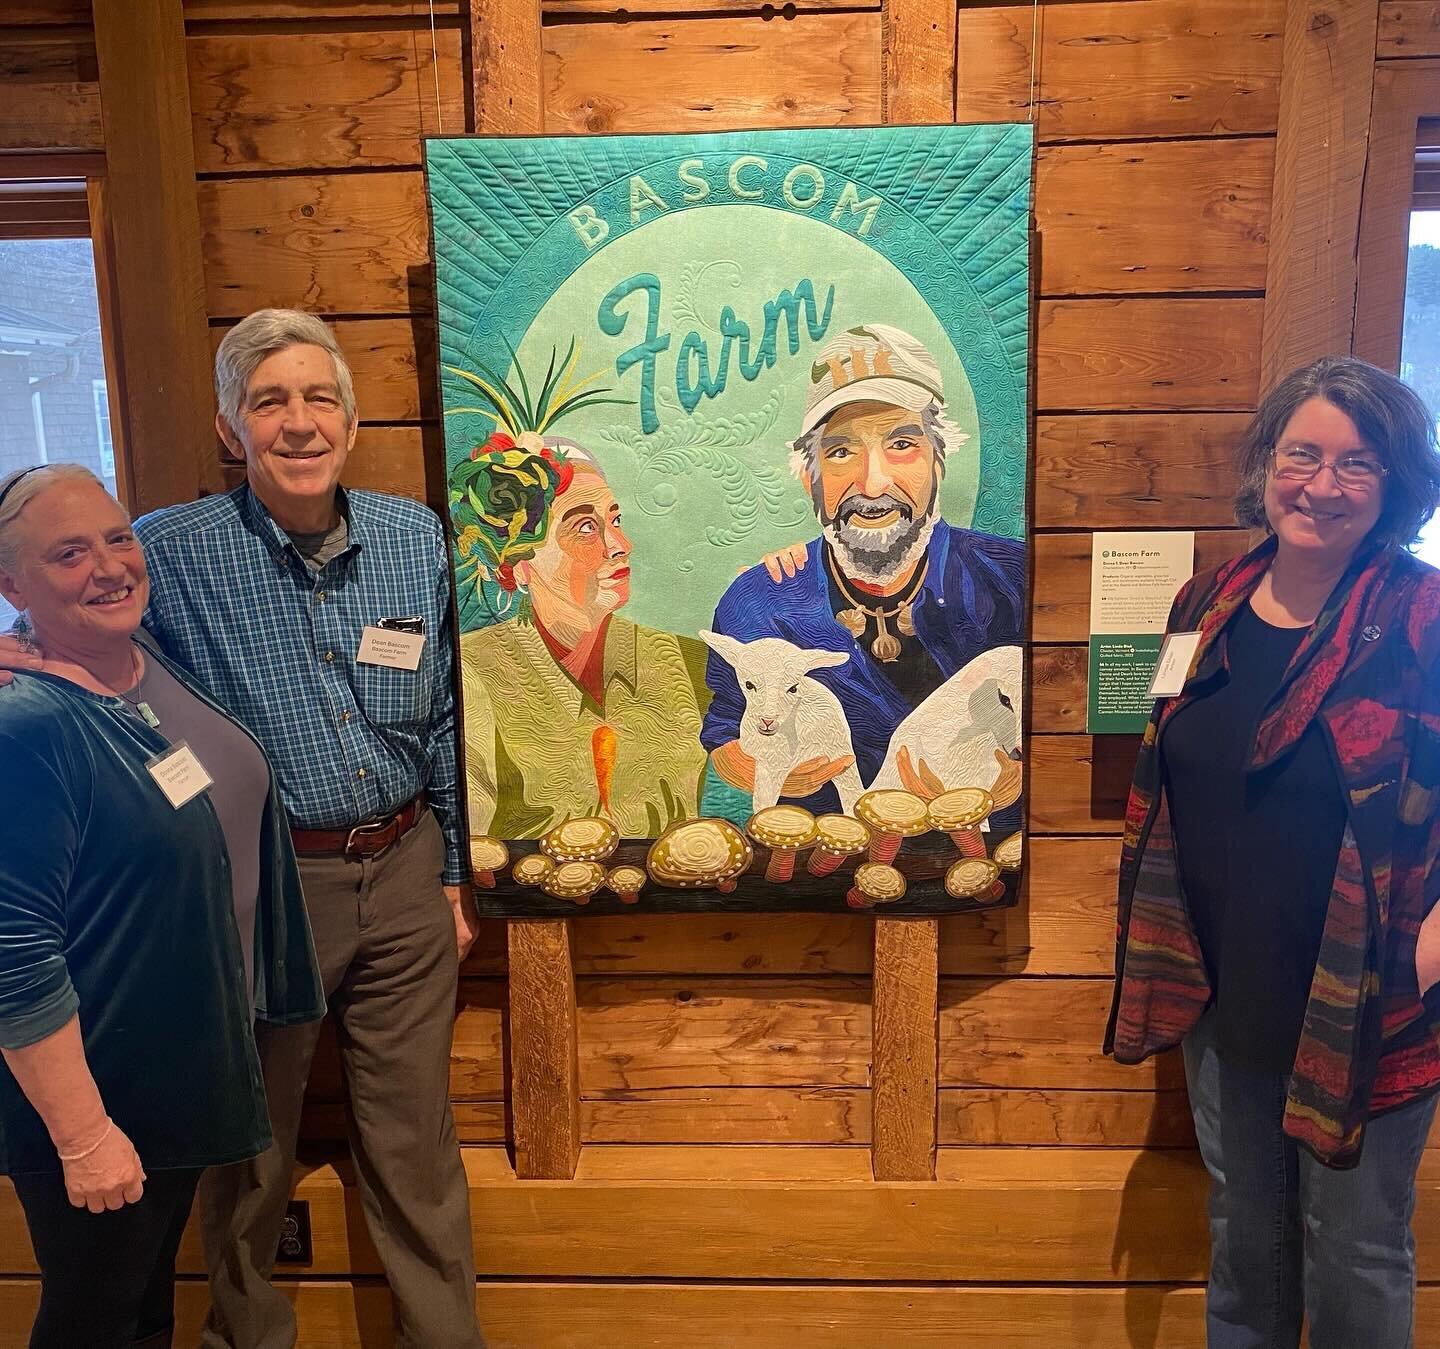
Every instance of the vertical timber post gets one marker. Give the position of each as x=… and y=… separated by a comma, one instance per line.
x=1321, y=146
x=905, y=1048
x=918, y=85
x=160, y=316
x=507, y=59
x=544, y=1049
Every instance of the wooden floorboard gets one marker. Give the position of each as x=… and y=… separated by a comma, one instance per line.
x=995, y=1214
x=561, y=1315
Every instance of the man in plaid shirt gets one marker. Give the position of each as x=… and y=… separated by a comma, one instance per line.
x=321, y=618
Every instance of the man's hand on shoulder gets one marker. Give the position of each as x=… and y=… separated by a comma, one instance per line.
x=13, y=656
x=783, y=563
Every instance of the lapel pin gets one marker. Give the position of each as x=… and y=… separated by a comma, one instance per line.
x=1370, y=633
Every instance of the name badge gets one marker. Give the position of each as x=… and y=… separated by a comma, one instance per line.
x=394, y=650
x=1176, y=653
x=179, y=774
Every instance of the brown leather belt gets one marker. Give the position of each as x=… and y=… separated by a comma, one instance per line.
x=364, y=840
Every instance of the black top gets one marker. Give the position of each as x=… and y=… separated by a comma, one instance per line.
x=914, y=672
x=1256, y=851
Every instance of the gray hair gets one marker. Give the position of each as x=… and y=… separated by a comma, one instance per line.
x=19, y=489
x=1392, y=421
x=939, y=430
x=261, y=335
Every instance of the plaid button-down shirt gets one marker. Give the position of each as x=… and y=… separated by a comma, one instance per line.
x=275, y=641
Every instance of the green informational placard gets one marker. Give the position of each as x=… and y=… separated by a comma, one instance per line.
x=1120, y=670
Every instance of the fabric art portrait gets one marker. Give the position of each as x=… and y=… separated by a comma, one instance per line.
x=736, y=445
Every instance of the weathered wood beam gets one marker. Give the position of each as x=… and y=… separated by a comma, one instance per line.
x=917, y=86
x=905, y=1049
x=507, y=60
x=1321, y=144
x=1405, y=91
x=159, y=275
x=544, y=1055
x=918, y=61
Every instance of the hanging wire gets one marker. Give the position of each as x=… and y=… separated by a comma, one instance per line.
x=435, y=70
x=1034, y=51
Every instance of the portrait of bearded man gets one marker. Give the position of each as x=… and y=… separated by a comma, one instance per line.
x=908, y=597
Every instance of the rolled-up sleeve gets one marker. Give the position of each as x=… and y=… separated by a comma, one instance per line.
x=39, y=839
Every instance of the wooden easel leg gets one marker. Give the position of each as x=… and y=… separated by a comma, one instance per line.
x=544, y=1065
x=905, y=1048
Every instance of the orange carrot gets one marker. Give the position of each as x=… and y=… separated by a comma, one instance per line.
x=603, y=747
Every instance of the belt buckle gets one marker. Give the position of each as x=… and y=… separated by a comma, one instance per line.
x=374, y=827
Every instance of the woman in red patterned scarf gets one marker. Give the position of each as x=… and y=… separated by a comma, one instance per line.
x=1280, y=869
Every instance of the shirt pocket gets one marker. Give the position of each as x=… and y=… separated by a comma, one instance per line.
x=398, y=698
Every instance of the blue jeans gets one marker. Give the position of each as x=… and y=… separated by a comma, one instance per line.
x=1291, y=1238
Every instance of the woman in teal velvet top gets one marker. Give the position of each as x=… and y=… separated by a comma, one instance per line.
x=145, y=916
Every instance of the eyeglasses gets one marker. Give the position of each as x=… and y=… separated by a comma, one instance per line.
x=1355, y=472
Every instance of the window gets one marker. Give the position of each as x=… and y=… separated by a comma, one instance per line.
x=100, y=392
x=54, y=386
x=1420, y=333
x=1397, y=298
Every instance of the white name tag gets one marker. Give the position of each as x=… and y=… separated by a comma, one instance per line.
x=179, y=774
x=1176, y=653
x=394, y=650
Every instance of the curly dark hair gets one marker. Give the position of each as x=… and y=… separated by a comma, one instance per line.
x=1392, y=421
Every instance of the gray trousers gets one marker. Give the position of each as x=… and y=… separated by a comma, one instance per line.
x=386, y=945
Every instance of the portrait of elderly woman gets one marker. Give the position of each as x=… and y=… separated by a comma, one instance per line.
x=1279, y=873
x=907, y=598
x=151, y=907
x=571, y=709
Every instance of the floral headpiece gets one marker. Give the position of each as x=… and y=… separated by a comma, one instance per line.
x=500, y=496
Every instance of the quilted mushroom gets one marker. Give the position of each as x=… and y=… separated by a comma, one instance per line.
x=974, y=878
x=1008, y=852
x=875, y=883
x=699, y=853
x=531, y=869
x=892, y=815
x=626, y=881
x=487, y=856
x=784, y=830
x=958, y=813
x=573, y=880
x=836, y=838
x=587, y=839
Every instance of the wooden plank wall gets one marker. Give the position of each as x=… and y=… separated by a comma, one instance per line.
x=724, y=1061
x=715, y=1036
x=1152, y=202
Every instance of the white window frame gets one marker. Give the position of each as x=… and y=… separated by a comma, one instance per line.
x=100, y=395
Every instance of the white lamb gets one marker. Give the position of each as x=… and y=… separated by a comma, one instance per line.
x=958, y=728
x=788, y=716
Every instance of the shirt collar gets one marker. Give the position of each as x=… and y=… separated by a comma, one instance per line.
x=621, y=657
x=257, y=515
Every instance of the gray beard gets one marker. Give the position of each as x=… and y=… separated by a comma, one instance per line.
x=879, y=557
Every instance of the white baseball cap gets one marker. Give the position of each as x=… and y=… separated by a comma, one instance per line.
x=872, y=363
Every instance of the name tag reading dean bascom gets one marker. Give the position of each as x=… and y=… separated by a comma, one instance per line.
x=1174, y=665
x=179, y=774
x=394, y=650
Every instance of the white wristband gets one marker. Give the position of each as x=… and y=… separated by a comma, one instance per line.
x=94, y=1147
